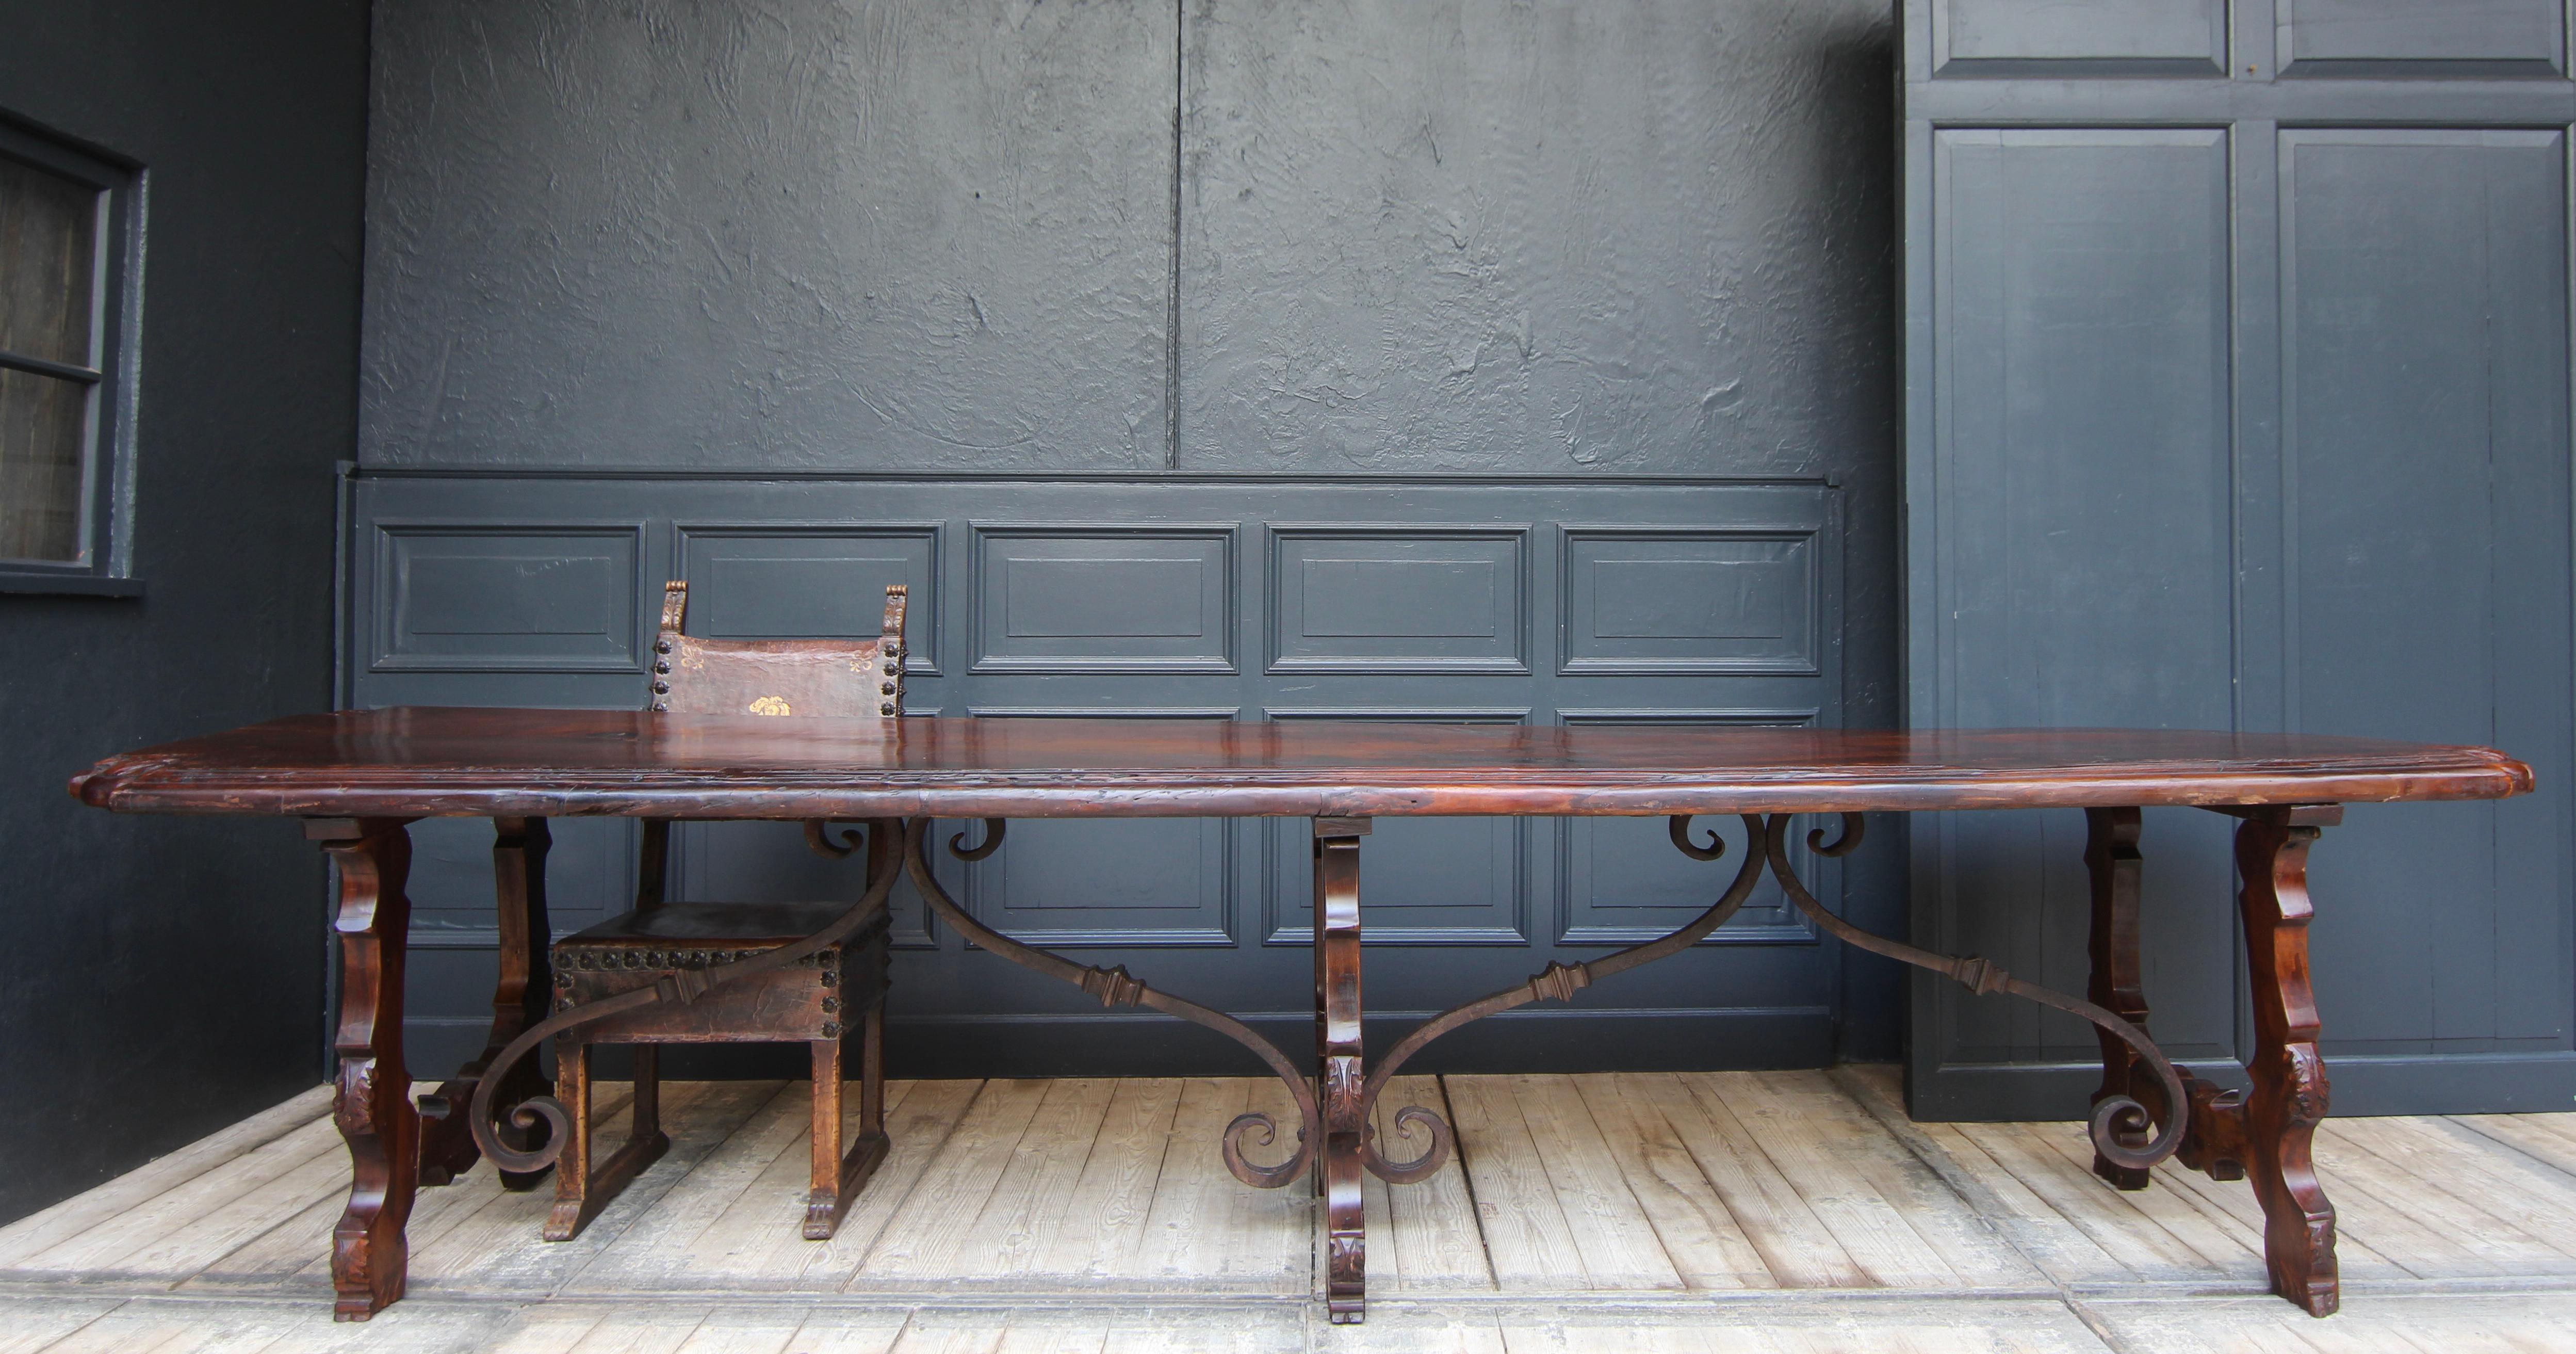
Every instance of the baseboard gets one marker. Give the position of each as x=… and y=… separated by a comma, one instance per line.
x=2458, y=1083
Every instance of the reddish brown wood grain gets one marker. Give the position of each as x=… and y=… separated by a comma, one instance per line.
x=421, y=761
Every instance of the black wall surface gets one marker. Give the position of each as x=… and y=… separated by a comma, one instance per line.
x=160, y=977
x=1464, y=355
x=2237, y=397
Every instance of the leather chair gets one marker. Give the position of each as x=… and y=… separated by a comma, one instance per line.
x=816, y=1002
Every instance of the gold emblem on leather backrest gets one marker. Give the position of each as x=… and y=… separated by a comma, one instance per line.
x=771, y=705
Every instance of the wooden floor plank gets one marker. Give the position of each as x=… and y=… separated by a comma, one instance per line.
x=1527, y=1240
x=842, y=1331
x=2226, y=1247
x=499, y=1247
x=2402, y=1186
x=1612, y=1234
x=1872, y=1232
x=1104, y=1221
x=101, y=1247
x=1207, y=1231
x=1860, y=1145
x=1796, y=1246
x=2061, y=1250
x=2369, y=1321
x=759, y=1242
x=189, y=1249
x=924, y=1241
x=30, y=1324
x=1432, y=1227
x=661, y=1246
x=2534, y=1198
x=1699, y=1235
x=2521, y=1133
x=1031, y=1201
x=49, y=1227
x=2072, y=1192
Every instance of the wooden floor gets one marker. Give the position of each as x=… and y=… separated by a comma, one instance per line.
x=1793, y=1211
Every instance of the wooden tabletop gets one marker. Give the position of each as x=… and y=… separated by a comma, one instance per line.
x=429, y=762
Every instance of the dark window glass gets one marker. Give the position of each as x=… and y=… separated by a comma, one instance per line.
x=50, y=296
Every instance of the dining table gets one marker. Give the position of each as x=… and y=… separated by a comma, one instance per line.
x=358, y=778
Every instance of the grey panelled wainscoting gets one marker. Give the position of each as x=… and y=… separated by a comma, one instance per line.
x=1497, y=601
x=2237, y=395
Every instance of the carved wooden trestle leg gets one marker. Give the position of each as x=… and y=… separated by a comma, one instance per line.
x=1337, y=1062
x=371, y=1094
x=2265, y=1131
x=2111, y=857
x=519, y=1000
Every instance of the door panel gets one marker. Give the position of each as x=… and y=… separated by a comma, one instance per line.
x=2244, y=403
x=2425, y=415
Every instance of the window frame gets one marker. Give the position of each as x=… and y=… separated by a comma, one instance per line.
x=106, y=566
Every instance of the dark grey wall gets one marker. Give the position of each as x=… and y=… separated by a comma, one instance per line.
x=2238, y=389
x=1464, y=243
x=161, y=977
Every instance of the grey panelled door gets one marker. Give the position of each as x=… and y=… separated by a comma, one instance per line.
x=1236, y=359
x=2237, y=396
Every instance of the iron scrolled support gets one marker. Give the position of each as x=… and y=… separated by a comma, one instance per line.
x=1115, y=987
x=685, y=985
x=1557, y=982
x=2116, y=1116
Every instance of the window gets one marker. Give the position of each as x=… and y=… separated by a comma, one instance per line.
x=67, y=313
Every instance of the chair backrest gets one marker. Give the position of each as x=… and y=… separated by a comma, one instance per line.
x=831, y=678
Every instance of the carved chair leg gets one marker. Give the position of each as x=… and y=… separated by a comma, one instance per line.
x=872, y=1071
x=582, y=1190
x=838, y=1176
x=2111, y=858
x=1337, y=1023
x=572, y=1169
x=371, y=1099
x=2288, y=1097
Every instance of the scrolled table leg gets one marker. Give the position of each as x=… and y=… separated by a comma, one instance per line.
x=2111, y=860
x=371, y=1094
x=2289, y=1095
x=1337, y=1032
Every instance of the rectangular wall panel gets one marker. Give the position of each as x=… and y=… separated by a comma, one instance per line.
x=758, y=582
x=2081, y=513
x=1653, y=601
x=2095, y=37
x=2401, y=37
x=467, y=598
x=1398, y=600
x=1105, y=599
x=2424, y=281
